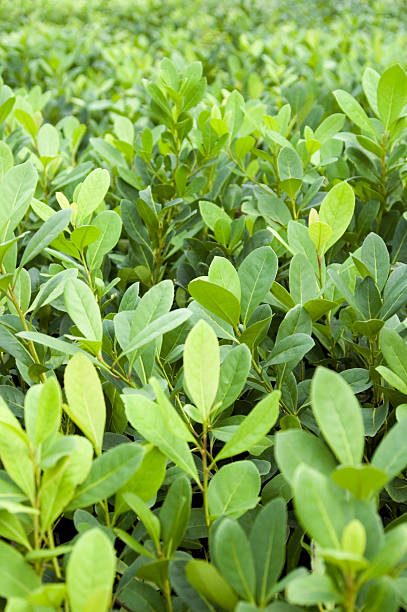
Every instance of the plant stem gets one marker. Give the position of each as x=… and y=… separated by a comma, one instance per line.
x=205, y=474
x=51, y=545
x=350, y=593
x=167, y=594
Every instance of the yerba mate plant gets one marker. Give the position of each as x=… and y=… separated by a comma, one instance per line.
x=203, y=307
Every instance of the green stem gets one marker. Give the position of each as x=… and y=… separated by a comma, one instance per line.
x=205, y=474
x=30, y=344
x=51, y=545
x=167, y=594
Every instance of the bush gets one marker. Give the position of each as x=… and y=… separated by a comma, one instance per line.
x=203, y=298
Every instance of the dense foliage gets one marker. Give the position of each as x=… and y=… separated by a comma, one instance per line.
x=203, y=306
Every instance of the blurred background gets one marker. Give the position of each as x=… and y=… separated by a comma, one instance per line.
x=98, y=51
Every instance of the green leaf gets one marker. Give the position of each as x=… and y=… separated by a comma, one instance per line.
x=60, y=481
x=233, y=557
x=376, y=258
x=361, y=480
x=370, y=81
x=268, y=540
x=338, y=415
x=90, y=572
x=86, y=404
x=174, y=514
x=289, y=164
x=156, y=329
x=83, y=309
x=302, y=279
x=146, y=481
x=201, y=367
x=16, y=191
x=354, y=111
x=390, y=554
x=17, y=579
x=329, y=127
x=313, y=589
x=291, y=349
x=391, y=454
x=92, y=193
x=253, y=428
x=296, y=446
x=206, y=579
x=48, y=141
x=394, y=351
x=169, y=416
x=393, y=379
x=257, y=273
x=45, y=235
x=211, y=213
x=52, y=289
x=11, y=527
x=146, y=417
x=109, y=225
x=391, y=94
x=83, y=236
x=149, y=520
x=42, y=410
x=216, y=299
x=337, y=211
x=15, y=451
x=223, y=273
x=320, y=234
x=234, y=370
x=321, y=506
x=108, y=473
x=234, y=489
x=243, y=146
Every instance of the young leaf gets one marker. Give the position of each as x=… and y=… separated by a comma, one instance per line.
x=201, y=367
x=86, y=404
x=16, y=190
x=15, y=452
x=92, y=193
x=90, y=572
x=391, y=94
x=223, y=273
x=43, y=417
x=109, y=224
x=82, y=307
x=337, y=211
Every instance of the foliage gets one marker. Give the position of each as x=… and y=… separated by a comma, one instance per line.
x=203, y=306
